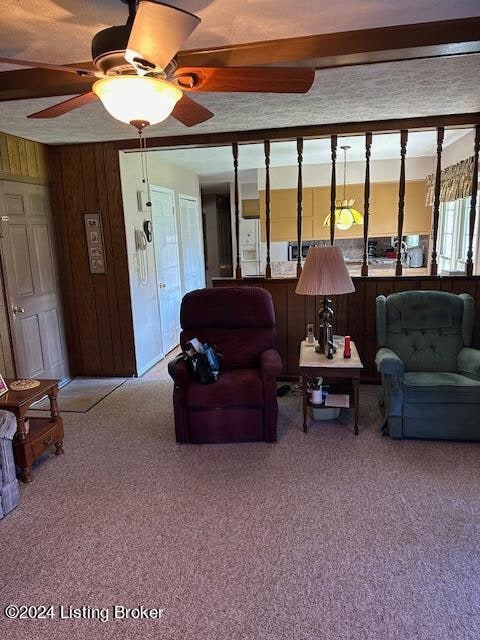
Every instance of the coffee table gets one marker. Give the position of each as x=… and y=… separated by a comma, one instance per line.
x=316, y=365
x=34, y=435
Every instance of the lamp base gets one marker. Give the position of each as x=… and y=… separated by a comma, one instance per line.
x=325, y=336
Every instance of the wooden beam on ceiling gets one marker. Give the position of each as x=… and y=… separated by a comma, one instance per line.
x=364, y=46
x=28, y=84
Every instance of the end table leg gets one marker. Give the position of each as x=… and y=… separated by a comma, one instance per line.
x=26, y=475
x=59, y=448
x=356, y=402
x=21, y=434
x=305, y=398
x=52, y=396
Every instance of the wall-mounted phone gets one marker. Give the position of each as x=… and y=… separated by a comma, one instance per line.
x=147, y=229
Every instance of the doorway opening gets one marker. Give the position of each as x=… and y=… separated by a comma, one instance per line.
x=165, y=250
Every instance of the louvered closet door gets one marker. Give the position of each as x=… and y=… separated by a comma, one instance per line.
x=192, y=258
x=31, y=282
x=165, y=242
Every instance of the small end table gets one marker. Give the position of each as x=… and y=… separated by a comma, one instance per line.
x=316, y=365
x=35, y=435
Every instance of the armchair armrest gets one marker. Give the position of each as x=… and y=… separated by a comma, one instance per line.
x=270, y=363
x=389, y=363
x=179, y=372
x=469, y=362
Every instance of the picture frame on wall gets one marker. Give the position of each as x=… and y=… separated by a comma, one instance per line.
x=3, y=386
x=95, y=244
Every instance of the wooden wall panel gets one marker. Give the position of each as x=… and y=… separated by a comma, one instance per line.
x=22, y=160
x=97, y=307
x=355, y=313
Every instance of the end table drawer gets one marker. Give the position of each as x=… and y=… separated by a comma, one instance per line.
x=44, y=436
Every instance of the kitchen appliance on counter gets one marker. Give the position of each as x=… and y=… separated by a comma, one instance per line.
x=293, y=249
x=414, y=257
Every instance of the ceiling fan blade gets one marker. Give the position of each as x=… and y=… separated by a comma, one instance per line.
x=190, y=113
x=157, y=34
x=45, y=65
x=66, y=106
x=245, y=79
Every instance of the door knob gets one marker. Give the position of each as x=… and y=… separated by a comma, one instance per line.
x=16, y=310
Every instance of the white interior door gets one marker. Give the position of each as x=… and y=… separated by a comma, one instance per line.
x=31, y=282
x=193, y=264
x=167, y=264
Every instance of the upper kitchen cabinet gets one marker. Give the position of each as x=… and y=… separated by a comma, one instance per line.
x=283, y=214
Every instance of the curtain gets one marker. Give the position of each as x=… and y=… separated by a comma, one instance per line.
x=455, y=182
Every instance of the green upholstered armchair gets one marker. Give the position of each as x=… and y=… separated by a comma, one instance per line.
x=430, y=373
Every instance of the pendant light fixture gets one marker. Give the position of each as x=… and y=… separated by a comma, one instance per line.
x=345, y=213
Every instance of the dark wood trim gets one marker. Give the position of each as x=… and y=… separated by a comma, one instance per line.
x=399, y=42
x=238, y=267
x=29, y=84
x=366, y=202
x=333, y=186
x=401, y=200
x=436, y=200
x=299, y=204
x=268, y=268
x=309, y=131
x=473, y=202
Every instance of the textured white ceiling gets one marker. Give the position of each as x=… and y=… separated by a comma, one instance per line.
x=380, y=91
x=208, y=162
x=61, y=30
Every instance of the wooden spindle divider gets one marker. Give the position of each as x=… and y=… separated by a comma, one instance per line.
x=366, y=202
x=401, y=200
x=333, y=187
x=266, y=146
x=473, y=203
x=436, y=201
x=299, y=204
x=238, y=268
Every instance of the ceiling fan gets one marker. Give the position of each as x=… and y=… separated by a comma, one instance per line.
x=137, y=79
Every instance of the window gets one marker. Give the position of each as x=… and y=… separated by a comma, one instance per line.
x=454, y=225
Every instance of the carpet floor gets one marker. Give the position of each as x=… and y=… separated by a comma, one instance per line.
x=321, y=536
x=81, y=394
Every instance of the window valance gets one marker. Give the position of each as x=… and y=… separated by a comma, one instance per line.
x=455, y=182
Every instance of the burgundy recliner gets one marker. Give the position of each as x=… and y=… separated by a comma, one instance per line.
x=242, y=405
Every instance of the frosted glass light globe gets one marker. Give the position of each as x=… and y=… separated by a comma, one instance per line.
x=135, y=98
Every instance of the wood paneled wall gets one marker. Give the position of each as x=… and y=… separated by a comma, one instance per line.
x=97, y=308
x=22, y=159
x=354, y=313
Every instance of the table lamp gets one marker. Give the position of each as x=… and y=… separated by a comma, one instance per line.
x=325, y=274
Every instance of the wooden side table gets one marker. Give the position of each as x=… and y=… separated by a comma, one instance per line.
x=316, y=365
x=35, y=435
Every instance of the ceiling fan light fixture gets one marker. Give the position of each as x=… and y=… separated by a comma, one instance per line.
x=134, y=98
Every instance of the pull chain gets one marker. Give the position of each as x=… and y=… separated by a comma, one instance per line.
x=144, y=161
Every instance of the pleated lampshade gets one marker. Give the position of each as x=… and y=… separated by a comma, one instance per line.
x=324, y=273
